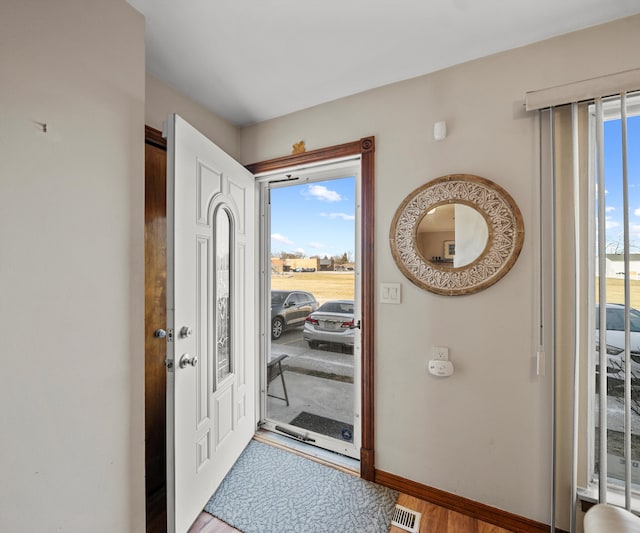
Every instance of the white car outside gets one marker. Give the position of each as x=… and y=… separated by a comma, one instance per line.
x=616, y=342
x=331, y=323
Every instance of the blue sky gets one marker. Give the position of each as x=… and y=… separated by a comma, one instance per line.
x=314, y=218
x=613, y=182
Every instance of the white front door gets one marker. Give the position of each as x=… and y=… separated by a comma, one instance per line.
x=211, y=319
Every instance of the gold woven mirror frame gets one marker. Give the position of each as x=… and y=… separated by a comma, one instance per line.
x=504, y=221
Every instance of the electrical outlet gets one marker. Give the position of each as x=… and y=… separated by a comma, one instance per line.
x=440, y=353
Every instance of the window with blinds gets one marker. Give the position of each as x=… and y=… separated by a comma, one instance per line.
x=593, y=153
x=614, y=128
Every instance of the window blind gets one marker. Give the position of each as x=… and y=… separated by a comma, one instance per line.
x=579, y=172
x=602, y=86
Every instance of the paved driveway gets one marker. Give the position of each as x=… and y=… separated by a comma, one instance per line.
x=321, y=362
x=318, y=381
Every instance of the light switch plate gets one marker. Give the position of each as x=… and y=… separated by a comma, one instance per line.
x=390, y=293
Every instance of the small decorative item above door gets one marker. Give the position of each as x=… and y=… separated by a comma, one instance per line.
x=299, y=148
x=457, y=234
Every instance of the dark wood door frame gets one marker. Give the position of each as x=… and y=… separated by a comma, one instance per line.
x=155, y=234
x=154, y=359
x=365, y=148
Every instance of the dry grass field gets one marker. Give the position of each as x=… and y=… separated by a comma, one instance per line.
x=341, y=286
x=615, y=292
x=323, y=285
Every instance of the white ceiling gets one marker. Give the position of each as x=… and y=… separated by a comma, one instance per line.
x=251, y=60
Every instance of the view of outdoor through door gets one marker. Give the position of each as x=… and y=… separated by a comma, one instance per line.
x=311, y=308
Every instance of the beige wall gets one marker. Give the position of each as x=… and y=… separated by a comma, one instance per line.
x=161, y=100
x=484, y=433
x=72, y=266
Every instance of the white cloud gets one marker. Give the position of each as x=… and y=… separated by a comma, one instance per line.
x=281, y=238
x=609, y=208
x=320, y=192
x=300, y=251
x=317, y=245
x=343, y=216
x=610, y=224
x=636, y=212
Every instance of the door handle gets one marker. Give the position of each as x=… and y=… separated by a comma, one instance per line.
x=355, y=325
x=188, y=360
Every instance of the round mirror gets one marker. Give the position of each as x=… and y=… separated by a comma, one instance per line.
x=457, y=234
x=452, y=234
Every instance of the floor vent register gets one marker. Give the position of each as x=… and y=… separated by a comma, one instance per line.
x=406, y=519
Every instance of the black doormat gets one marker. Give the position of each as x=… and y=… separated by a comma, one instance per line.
x=324, y=426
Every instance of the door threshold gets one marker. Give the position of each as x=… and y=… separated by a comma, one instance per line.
x=320, y=455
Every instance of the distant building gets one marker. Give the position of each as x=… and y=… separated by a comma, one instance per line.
x=279, y=266
x=615, y=266
x=326, y=264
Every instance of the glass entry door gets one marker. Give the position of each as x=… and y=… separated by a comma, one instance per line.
x=310, y=306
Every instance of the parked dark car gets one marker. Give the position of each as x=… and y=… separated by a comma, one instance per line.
x=289, y=309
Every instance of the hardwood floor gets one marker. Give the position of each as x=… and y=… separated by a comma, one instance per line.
x=437, y=519
x=434, y=519
x=205, y=523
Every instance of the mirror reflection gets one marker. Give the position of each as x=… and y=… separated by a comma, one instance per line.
x=452, y=234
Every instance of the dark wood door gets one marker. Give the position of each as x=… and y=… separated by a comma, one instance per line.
x=155, y=318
